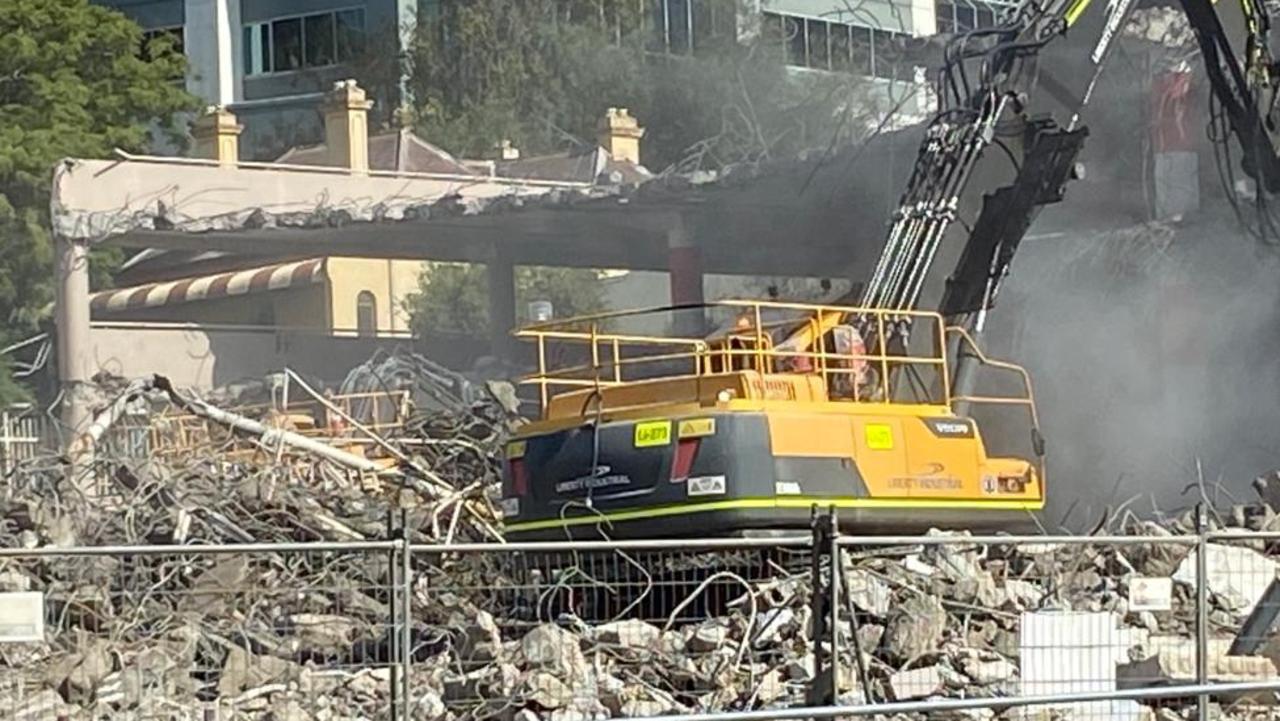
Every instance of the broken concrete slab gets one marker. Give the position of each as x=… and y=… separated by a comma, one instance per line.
x=773, y=627
x=630, y=633
x=243, y=670
x=989, y=672
x=551, y=647
x=916, y=683
x=915, y=627
x=868, y=593
x=548, y=691
x=1237, y=574
x=708, y=636
x=1172, y=660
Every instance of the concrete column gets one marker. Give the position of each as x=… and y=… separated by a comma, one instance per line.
x=71, y=286
x=684, y=264
x=346, y=126
x=502, y=304
x=217, y=136
x=212, y=38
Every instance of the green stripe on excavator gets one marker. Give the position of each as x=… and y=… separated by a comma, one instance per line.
x=787, y=502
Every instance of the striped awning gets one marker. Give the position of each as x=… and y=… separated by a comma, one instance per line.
x=221, y=285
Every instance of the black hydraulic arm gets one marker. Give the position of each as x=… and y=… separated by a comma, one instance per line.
x=1234, y=40
x=1007, y=135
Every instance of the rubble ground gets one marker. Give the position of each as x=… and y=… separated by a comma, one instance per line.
x=296, y=633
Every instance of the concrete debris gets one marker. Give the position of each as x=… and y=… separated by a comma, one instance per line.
x=1238, y=576
x=915, y=683
x=916, y=628
x=989, y=672
x=1173, y=661
x=311, y=636
x=548, y=691
x=631, y=633
x=868, y=593
x=709, y=636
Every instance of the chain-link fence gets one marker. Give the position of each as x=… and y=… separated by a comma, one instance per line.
x=197, y=633
x=624, y=631
x=1087, y=627
x=946, y=617
x=22, y=434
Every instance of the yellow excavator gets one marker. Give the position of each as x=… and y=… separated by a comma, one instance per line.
x=789, y=406
x=868, y=407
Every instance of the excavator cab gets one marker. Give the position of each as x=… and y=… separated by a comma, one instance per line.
x=787, y=406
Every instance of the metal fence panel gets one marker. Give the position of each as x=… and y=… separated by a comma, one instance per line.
x=959, y=618
x=608, y=633
x=199, y=634
x=22, y=435
x=575, y=632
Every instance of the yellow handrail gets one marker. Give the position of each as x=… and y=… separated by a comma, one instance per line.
x=749, y=337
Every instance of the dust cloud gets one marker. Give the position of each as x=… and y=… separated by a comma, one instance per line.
x=1155, y=353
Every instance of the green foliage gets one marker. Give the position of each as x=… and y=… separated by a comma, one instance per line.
x=541, y=73
x=454, y=297
x=73, y=83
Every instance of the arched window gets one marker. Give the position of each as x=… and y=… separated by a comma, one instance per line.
x=366, y=314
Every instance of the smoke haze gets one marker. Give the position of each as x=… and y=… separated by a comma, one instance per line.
x=1154, y=351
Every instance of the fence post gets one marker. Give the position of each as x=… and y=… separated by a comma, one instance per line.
x=406, y=622
x=1202, y=610
x=6, y=435
x=833, y=599
x=393, y=610
x=823, y=687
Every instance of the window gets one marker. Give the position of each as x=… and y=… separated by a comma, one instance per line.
x=714, y=22
x=816, y=34
x=841, y=50
x=366, y=314
x=152, y=39
x=309, y=41
x=286, y=45
x=793, y=37
x=174, y=35
x=350, y=33
x=824, y=45
x=860, y=48
x=679, y=18
x=964, y=15
x=320, y=41
x=685, y=27
x=885, y=55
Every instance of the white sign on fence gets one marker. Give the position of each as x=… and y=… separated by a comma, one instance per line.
x=1066, y=652
x=21, y=617
x=1150, y=594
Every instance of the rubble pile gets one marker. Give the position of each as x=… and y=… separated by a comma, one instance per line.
x=149, y=636
x=568, y=636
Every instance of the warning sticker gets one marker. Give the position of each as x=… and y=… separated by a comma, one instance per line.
x=706, y=486
x=697, y=427
x=879, y=437
x=653, y=433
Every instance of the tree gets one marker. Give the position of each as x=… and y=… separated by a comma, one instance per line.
x=541, y=72
x=76, y=79
x=454, y=297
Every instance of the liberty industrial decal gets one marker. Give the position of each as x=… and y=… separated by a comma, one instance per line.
x=601, y=478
